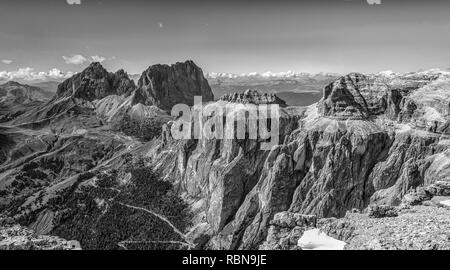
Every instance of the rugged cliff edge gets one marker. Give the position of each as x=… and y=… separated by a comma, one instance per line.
x=343, y=153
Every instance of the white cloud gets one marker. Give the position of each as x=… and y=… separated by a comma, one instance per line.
x=56, y=73
x=6, y=61
x=79, y=59
x=97, y=58
x=75, y=59
x=160, y=25
x=74, y=2
x=28, y=74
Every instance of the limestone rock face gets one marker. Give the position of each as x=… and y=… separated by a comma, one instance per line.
x=340, y=163
x=422, y=194
x=343, y=154
x=285, y=230
x=166, y=86
x=405, y=167
x=254, y=97
x=225, y=179
x=342, y=99
x=123, y=84
x=419, y=99
x=240, y=188
x=95, y=83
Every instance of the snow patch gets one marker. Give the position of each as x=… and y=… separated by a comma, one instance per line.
x=315, y=239
x=446, y=203
x=311, y=114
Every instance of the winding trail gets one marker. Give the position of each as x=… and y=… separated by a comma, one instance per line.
x=181, y=234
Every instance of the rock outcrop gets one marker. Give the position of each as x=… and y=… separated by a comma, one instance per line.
x=285, y=230
x=342, y=99
x=254, y=97
x=16, y=237
x=95, y=83
x=423, y=194
x=381, y=211
x=422, y=226
x=165, y=86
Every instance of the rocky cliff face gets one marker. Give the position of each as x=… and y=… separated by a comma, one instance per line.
x=343, y=99
x=166, y=86
x=96, y=83
x=254, y=97
x=343, y=153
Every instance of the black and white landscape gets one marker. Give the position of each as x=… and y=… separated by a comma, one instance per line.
x=88, y=159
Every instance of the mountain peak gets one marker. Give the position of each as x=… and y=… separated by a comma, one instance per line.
x=343, y=99
x=166, y=86
x=95, y=68
x=95, y=82
x=95, y=65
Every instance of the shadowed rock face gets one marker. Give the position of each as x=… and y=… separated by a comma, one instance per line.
x=166, y=86
x=96, y=83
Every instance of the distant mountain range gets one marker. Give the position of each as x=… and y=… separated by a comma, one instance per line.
x=48, y=86
x=16, y=98
x=297, y=89
x=269, y=74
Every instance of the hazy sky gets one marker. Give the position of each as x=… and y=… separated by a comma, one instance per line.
x=226, y=36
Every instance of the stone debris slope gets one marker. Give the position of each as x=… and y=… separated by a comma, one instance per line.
x=16, y=237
